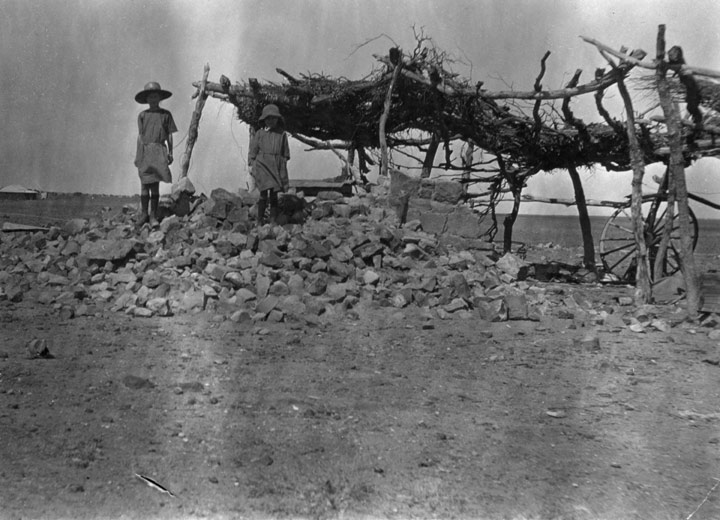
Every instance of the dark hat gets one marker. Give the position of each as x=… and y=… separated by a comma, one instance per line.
x=153, y=86
x=271, y=111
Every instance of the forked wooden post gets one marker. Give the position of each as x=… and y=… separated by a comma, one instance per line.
x=202, y=95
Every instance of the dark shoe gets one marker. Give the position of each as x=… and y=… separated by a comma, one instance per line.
x=143, y=219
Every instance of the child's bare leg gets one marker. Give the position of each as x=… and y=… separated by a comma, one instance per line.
x=154, y=201
x=144, y=200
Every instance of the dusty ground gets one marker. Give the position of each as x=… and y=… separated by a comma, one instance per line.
x=384, y=414
x=380, y=413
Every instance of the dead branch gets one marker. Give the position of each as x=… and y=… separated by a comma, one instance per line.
x=194, y=123
x=538, y=88
x=629, y=58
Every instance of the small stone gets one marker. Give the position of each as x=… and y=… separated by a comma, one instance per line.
x=371, y=277
x=267, y=304
x=493, y=311
x=137, y=383
x=455, y=305
x=235, y=278
x=664, y=326
x=107, y=250
x=279, y=288
x=336, y=292
x=37, y=348
x=74, y=226
x=512, y=265
x=517, y=306
x=589, y=342
x=275, y=316
x=637, y=327
x=399, y=301
x=242, y=316
x=14, y=294
x=159, y=306
x=244, y=295
x=341, y=210
x=262, y=286
x=714, y=334
x=142, y=312
x=209, y=291
x=296, y=284
x=270, y=259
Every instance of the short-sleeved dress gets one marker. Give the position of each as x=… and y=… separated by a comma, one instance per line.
x=151, y=158
x=268, y=156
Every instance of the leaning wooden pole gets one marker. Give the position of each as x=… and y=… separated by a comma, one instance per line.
x=386, y=112
x=677, y=171
x=202, y=95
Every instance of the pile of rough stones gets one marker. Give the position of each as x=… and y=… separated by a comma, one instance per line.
x=217, y=260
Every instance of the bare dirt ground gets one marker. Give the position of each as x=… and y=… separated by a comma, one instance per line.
x=377, y=413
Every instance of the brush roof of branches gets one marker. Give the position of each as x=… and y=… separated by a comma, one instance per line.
x=429, y=99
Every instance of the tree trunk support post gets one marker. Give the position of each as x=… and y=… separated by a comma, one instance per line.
x=585, y=227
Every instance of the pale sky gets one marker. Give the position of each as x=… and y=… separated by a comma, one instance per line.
x=69, y=70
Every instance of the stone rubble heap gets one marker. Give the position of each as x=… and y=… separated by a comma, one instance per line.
x=216, y=260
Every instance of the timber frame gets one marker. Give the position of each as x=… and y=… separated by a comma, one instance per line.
x=412, y=104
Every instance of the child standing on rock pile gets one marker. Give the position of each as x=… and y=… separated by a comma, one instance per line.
x=154, y=149
x=267, y=158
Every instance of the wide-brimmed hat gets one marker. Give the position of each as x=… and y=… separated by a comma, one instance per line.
x=150, y=88
x=271, y=111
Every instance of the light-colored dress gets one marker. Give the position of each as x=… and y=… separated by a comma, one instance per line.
x=268, y=156
x=151, y=157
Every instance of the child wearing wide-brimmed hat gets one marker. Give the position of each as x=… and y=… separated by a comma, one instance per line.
x=267, y=158
x=154, y=149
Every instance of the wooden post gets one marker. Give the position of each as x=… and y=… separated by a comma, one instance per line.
x=643, y=284
x=677, y=171
x=509, y=221
x=585, y=227
x=516, y=190
x=194, y=123
x=467, y=161
x=386, y=112
x=667, y=186
x=430, y=156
